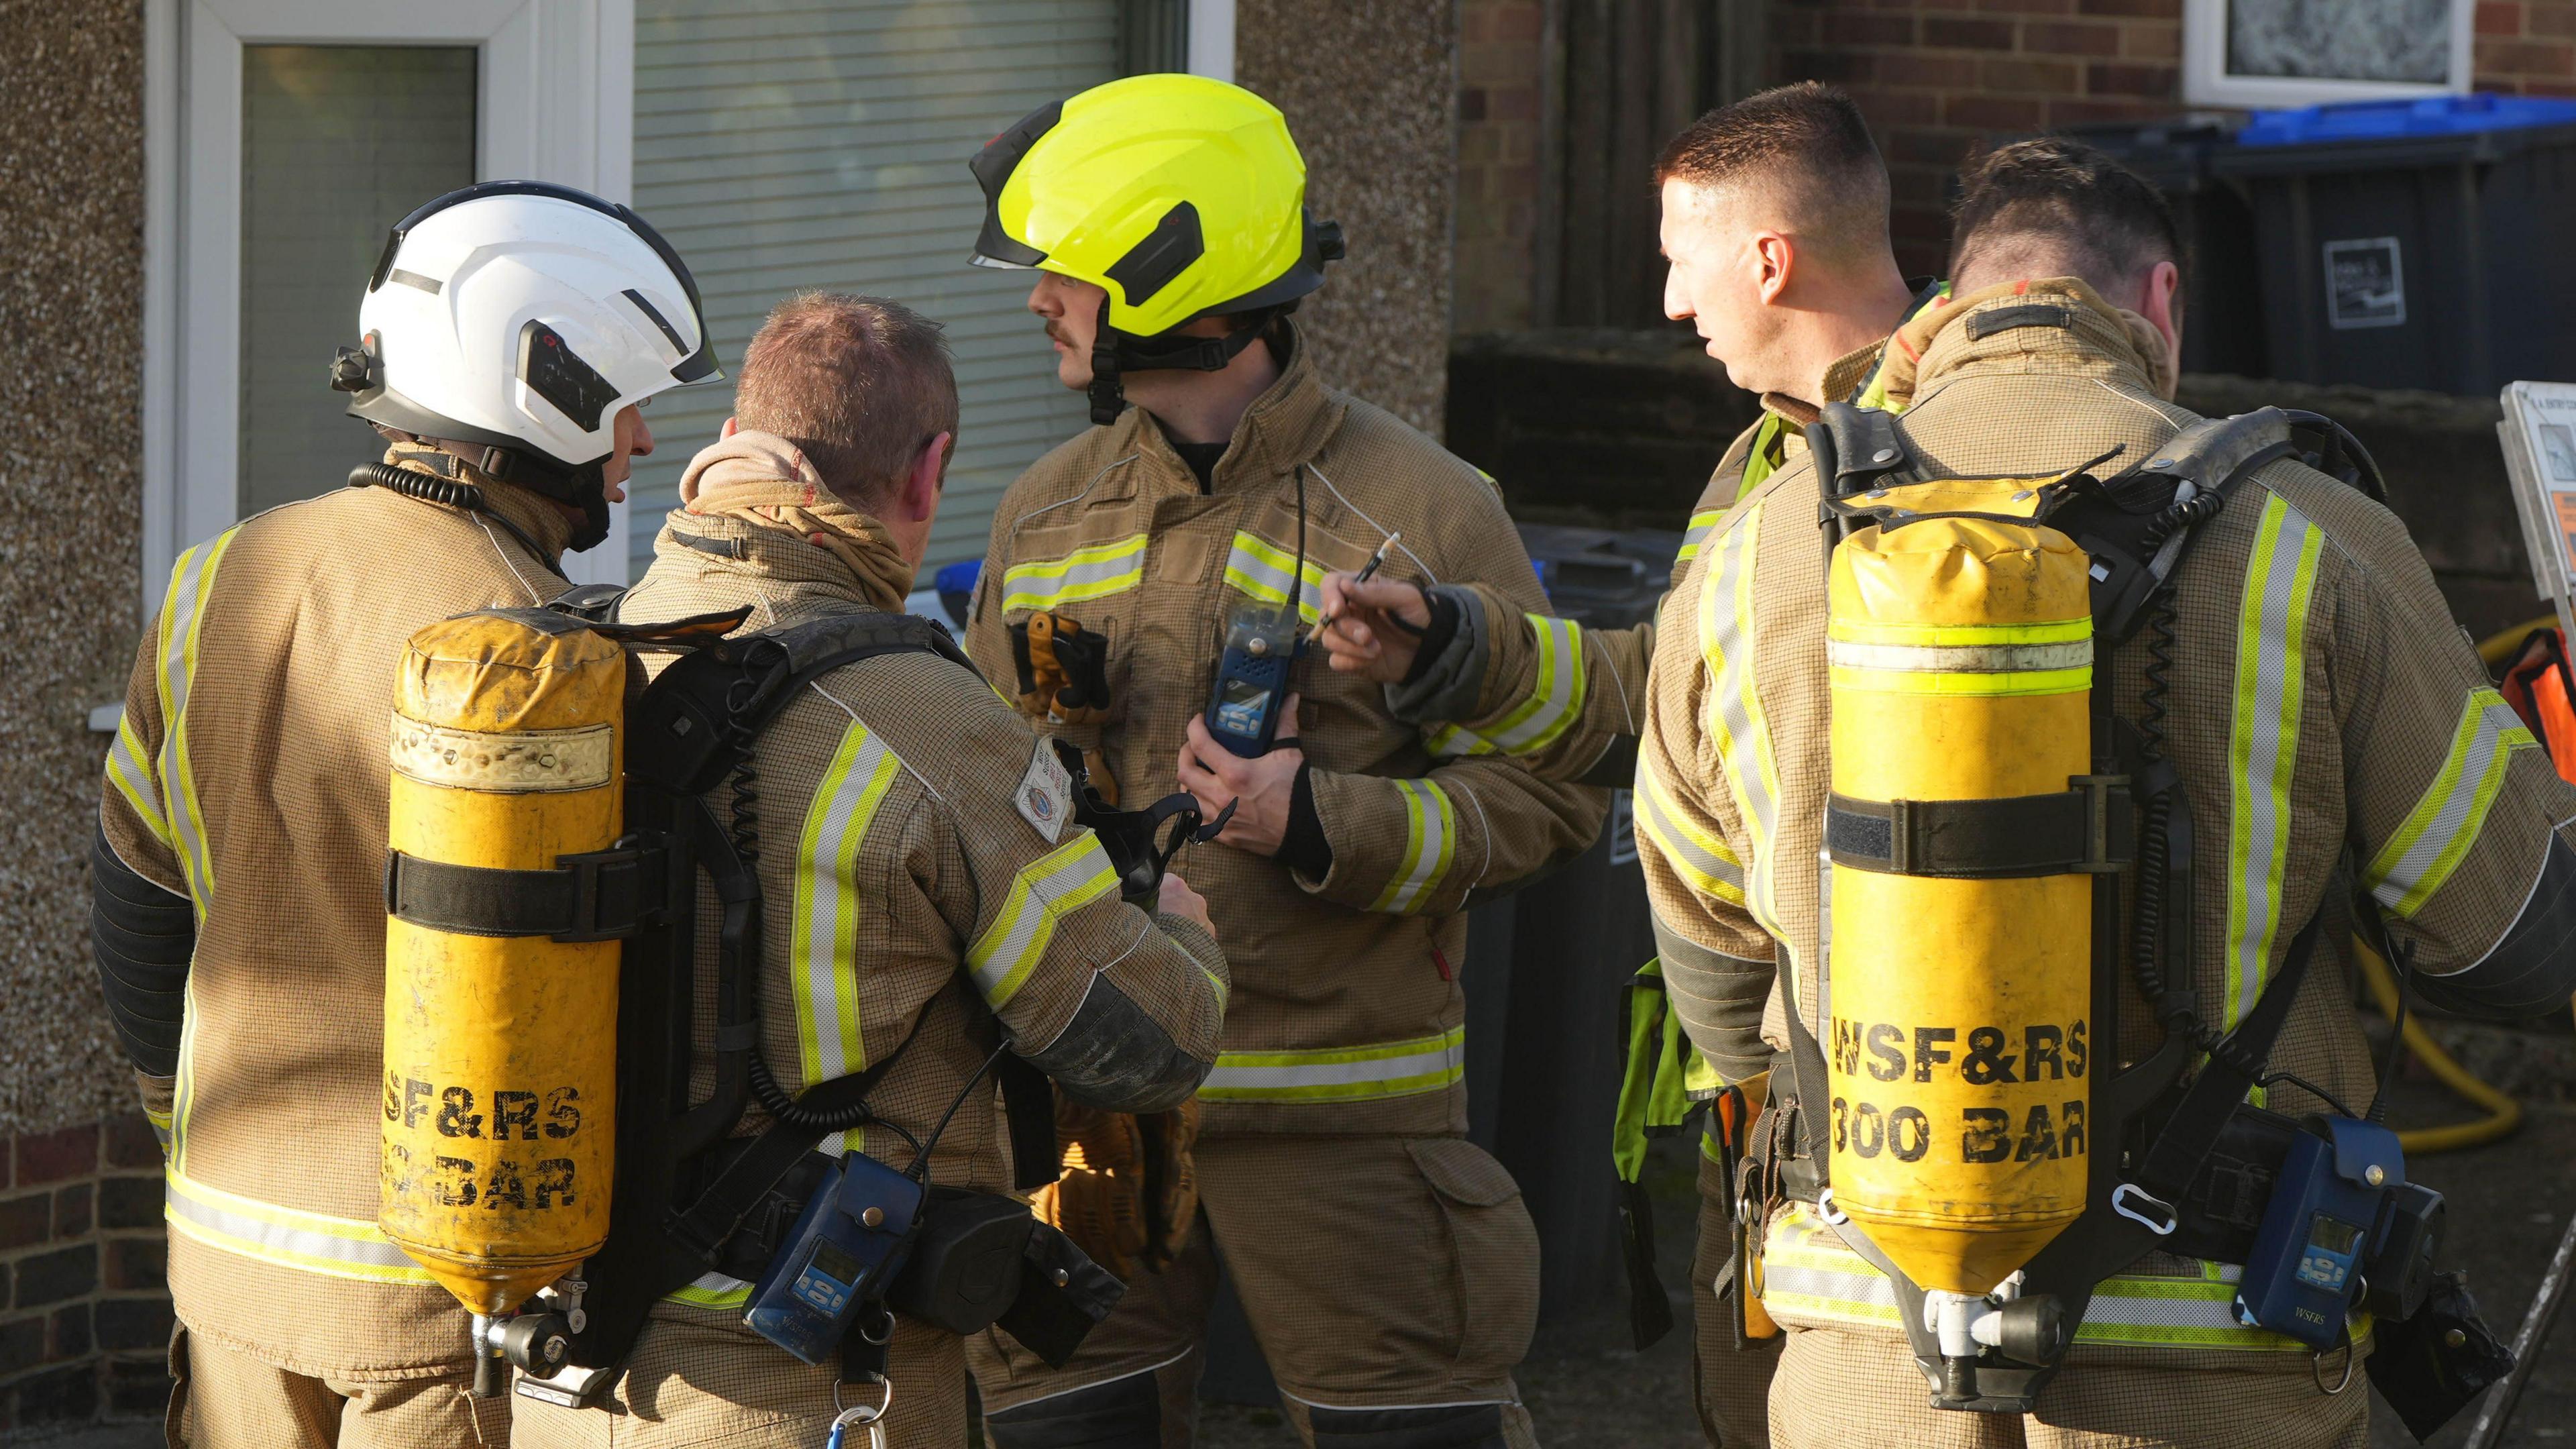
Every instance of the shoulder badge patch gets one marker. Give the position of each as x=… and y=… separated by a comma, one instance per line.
x=1045, y=793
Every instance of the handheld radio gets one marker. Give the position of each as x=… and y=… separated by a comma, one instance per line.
x=1252, y=681
x=847, y=1244
x=2343, y=1225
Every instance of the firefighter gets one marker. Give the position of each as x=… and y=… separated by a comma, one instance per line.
x=1775, y=227
x=2320, y=706
x=923, y=877
x=512, y=331
x=1387, y=1265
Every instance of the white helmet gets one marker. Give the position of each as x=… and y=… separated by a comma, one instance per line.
x=511, y=321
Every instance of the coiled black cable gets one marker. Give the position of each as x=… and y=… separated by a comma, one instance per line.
x=450, y=492
x=2147, y=914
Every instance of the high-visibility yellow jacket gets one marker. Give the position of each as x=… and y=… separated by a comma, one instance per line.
x=1348, y=1013
x=2322, y=701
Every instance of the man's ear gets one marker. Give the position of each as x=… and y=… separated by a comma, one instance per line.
x=732, y=426
x=1775, y=257
x=2156, y=303
x=929, y=472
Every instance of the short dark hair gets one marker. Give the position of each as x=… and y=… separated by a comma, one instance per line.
x=858, y=384
x=2058, y=205
x=1807, y=141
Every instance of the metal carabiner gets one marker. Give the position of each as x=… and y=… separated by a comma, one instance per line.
x=2122, y=1195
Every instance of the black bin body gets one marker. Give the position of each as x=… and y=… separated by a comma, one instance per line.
x=2433, y=261
x=2223, y=298
x=1547, y=1084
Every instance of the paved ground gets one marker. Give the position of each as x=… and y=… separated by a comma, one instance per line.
x=1587, y=1388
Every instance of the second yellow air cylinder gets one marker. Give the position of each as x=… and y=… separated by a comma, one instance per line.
x=1958, y=1049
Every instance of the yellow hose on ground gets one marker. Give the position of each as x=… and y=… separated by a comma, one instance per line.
x=2504, y=1114
x=2497, y=650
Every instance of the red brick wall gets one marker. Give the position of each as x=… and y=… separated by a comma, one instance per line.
x=1936, y=76
x=84, y=1307
x=2527, y=47
x=1498, y=131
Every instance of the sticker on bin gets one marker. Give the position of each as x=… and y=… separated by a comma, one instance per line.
x=2365, y=283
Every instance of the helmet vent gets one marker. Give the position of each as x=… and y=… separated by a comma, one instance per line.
x=654, y=316
x=556, y=373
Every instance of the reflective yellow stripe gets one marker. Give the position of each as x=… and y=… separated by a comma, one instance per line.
x=1430, y=841
x=182, y=622
x=1936, y=636
x=2445, y=823
x=1701, y=523
x=1995, y=685
x=1340, y=1074
x=1258, y=567
x=1554, y=704
x=712, y=1290
x=2263, y=743
x=1055, y=885
x=308, y=1242
x=1735, y=719
x=1095, y=572
x=1699, y=857
x=1810, y=1280
x=131, y=775
x=823, y=951
x=160, y=1129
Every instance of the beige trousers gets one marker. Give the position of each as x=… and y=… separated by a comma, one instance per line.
x=1379, y=1273
x=1836, y=1390
x=226, y=1398
x=698, y=1377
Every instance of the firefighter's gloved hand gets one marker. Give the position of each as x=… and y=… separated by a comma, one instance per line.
x=1264, y=789
x=1377, y=626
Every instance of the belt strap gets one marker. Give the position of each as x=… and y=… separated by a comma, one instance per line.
x=2085, y=829
x=600, y=895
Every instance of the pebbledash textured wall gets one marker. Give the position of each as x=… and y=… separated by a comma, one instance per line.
x=84, y=1316
x=71, y=225
x=1369, y=88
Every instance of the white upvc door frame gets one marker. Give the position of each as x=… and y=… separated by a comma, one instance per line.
x=554, y=100
x=1211, y=39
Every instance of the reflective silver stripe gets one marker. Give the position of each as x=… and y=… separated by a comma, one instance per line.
x=1340, y=1074
x=309, y=1242
x=2444, y=825
x=182, y=620
x=823, y=951
x=1704, y=861
x=1258, y=567
x=1095, y=572
x=1430, y=840
x=131, y=774
x=1558, y=697
x=1058, y=883
x=1735, y=719
x=2263, y=745
x=1701, y=524
x=1959, y=658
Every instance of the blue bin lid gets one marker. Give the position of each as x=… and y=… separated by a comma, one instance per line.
x=2400, y=120
x=959, y=577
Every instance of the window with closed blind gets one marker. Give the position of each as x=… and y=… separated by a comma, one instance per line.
x=788, y=145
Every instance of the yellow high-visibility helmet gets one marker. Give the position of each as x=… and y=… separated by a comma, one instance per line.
x=1179, y=196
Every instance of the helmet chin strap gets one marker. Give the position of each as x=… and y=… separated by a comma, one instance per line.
x=1114, y=353
x=584, y=486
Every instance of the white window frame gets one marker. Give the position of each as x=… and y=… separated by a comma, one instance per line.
x=2206, y=81
x=1211, y=39
x=555, y=102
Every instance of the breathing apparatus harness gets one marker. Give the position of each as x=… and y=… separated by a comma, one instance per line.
x=832, y=1246
x=2188, y=1167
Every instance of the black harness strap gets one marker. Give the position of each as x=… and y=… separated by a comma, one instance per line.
x=2085, y=829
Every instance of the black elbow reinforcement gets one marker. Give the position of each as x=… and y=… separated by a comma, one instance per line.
x=1113, y=1056
x=1720, y=999
x=2532, y=970
x=143, y=937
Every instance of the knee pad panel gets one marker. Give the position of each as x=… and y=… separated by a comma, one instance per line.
x=1124, y=1413
x=1454, y=1426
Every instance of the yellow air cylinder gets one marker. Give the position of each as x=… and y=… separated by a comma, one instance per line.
x=501, y=1051
x=1958, y=1049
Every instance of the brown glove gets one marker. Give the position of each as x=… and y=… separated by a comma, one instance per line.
x=1129, y=1190
x=1064, y=679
